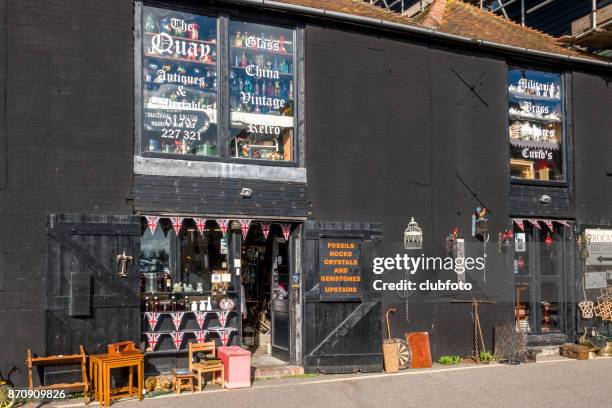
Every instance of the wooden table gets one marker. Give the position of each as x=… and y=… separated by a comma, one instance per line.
x=100, y=367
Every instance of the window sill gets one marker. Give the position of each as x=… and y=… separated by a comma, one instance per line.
x=539, y=183
x=153, y=166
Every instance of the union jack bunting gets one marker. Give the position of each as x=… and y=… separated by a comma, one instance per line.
x=224, y=335
x=200, y=335
x=200, y=318
x=286, y=230
x=152, y=319
x=244, y=227
x=265, y=229
x=224, y=225
x=177, y=318
x=177, y=339
x=535, y=223
x=549, y=224
x=177, y=223
x=564, y=223
x=519, y=223
x=152, y=222
x=222, y=317
x=152, y=339
x=200, y=224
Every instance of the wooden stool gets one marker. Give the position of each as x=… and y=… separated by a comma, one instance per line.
x=183, y=379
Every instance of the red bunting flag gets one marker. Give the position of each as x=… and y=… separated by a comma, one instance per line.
x=177, y=339
x=200, y=318
x=200, y=335
x=265, y=229
x=286, y=231
x=549, y=224
x=535, y=223
x=222, y=317
x=152, y=222
x=519, y=223
x=224, y=225
x=244, y=227
x=152, y=319
x=200, y=224
x=224, y=335
x=177, y=318
x=177, y=223
x=153, y=339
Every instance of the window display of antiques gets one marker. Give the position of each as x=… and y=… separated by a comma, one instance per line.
x=536, y=131
x=179, y=83
x=261, y=91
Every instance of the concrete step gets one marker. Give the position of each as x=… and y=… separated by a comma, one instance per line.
x=545, y=351
x=277, y=371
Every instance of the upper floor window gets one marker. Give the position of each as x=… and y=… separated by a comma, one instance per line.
x=536, y=125
x=182, y=78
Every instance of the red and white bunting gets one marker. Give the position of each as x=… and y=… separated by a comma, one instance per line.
x=222, y=317
x=519, y=223
x=152, y=222
x=224, y=335
x=177, y=339
x=549, y=224
x=244, y=227
x=535, y=223
x=200, y=318
x=152, y=319
x=177, y=318
x=286, y=230
x=224, y=225
x=564, y=223
x=265, y=229
x=200, y=224
x=177, y=223
x=200, y=335
x=153, y=339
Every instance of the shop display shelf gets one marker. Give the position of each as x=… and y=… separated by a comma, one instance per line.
x=191, y=311
x=194, y=87
x=203, y=293
x=534, y=119
x=210, y=329
x=519, y=95
x=260, y=51
x=289, y=75
x=147, y=55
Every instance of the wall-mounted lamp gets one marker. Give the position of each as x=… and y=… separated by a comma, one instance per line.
x=122, y=261
x=545, y=199
x=246, y=192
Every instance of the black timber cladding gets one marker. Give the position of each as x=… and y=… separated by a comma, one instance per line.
x=189, y=195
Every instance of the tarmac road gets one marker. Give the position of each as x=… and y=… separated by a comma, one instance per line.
x=558, y=383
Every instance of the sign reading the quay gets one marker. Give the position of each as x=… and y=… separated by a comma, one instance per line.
x=339, y=269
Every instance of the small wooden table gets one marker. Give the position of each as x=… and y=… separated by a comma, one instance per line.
x=100, y=367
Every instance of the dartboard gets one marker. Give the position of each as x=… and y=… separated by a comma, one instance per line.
x=404, y=354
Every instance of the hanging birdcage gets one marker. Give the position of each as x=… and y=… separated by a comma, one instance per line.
x=413, y=235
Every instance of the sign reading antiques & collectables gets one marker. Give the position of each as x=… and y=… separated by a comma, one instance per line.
x=339, y=269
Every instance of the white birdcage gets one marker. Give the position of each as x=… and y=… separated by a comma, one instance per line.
x=413, y=235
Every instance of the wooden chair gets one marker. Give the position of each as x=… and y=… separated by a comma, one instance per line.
x=183, y=379
x=200, y=369
x=59, y=360
x=121, y=347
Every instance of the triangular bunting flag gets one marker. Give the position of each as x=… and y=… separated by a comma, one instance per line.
x=200, y=224
x=564, y=223
x=549, y=224
x=224, y=335
x=244, y=227
x=152, y=222
x=177, y=339
x=152, y=339
x=286, y=230
x=177, y=318
x=224, y=225
x=200, y=318
x=222, y=317
x=177, y=223
x=519, y=223
x=535, y=223
x=265, y=229
x=152, y=319
x=201, y=335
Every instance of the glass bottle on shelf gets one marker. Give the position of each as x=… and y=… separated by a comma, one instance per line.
x=155, y=304
x=167, y=278
x=146, y=304
x=243, y=60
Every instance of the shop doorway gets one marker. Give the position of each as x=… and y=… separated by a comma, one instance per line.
x=265, y=281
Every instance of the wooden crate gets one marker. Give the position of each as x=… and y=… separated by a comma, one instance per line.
x=575, y=351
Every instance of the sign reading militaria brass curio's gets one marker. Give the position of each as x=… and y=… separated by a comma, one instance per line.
x=339, y=269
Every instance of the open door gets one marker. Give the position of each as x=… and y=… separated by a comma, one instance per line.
x=279, y=308
x=342, y=314
x=87, y=302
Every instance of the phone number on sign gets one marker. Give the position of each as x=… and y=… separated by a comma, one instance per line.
x=37, y=394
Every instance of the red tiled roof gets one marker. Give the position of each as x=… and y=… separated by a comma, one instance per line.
x=453, y=17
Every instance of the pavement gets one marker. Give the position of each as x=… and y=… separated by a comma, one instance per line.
x=556, y=382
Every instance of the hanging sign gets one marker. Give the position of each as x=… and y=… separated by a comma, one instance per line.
x=339, y=269
x=520, y=242
x=595, y=280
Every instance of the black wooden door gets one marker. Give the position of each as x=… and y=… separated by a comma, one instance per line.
x=279, y=305
x=87, y=302
x=342, y=335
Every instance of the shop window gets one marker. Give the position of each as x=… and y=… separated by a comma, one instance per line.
x=179, y=83
x=261, y=91
x=536, y=125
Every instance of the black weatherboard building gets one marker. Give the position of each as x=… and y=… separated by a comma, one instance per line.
x=246, y=152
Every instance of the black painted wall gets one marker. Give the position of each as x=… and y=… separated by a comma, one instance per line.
x=69, y=143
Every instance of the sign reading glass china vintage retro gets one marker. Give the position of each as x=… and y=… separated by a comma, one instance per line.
x=339, y=269
x=535, y=113
x=179, y=83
